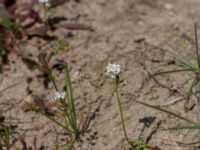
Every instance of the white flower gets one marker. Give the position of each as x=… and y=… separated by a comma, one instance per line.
x=113, y=70
x=43, y=1
x=59, y=95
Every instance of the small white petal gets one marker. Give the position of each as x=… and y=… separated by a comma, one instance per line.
x=59, y=95
x=113, y=70
x=43, y=1
x=46, y=2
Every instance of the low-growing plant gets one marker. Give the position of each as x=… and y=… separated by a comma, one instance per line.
x=187, y=66
x=13, y=27
x=137, y=144
x=113, y=70
x=193, y=124
x=61, y=109
x=8, y=34
x=60, y=46
x=3, y=48
x=5, y=134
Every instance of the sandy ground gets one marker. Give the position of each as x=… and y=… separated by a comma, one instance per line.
x=122, y=29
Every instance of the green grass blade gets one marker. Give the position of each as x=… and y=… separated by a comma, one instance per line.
x=197, y=46
x=2, y=38
x=53, y=120
x=1, y=146
x=193, y=126
x=172, y=71
x=165, y=111
x=69, y=92
x=190, y=92
x=7, y=23
x=180, y=57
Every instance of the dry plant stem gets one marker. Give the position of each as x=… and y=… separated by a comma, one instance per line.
x=120, y=108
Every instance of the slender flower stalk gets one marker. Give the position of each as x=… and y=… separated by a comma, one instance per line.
x=46, y=17
x=120, y=108
x=45, y=4
x=113, y=70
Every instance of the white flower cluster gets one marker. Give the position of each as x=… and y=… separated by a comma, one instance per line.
x=113, y=70
x=44, y=1
x=59, y=95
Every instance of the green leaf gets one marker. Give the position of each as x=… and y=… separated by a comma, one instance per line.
x=198, y=59
x=49, y=13
x=165, y=111
x=2, y=38
x=69, y=92
x=197, y=47
x=3, y=50
x=193, y=126
x=180, y=57
x=60, y=47
x=52, y=119
x=190, y=92
x=7, y=23
x=173, y=71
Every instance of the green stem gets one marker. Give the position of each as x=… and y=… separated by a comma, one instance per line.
x=66, y=115
x=190, y=92
x=46, y=18
x=120, y=108
x=55, y=121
